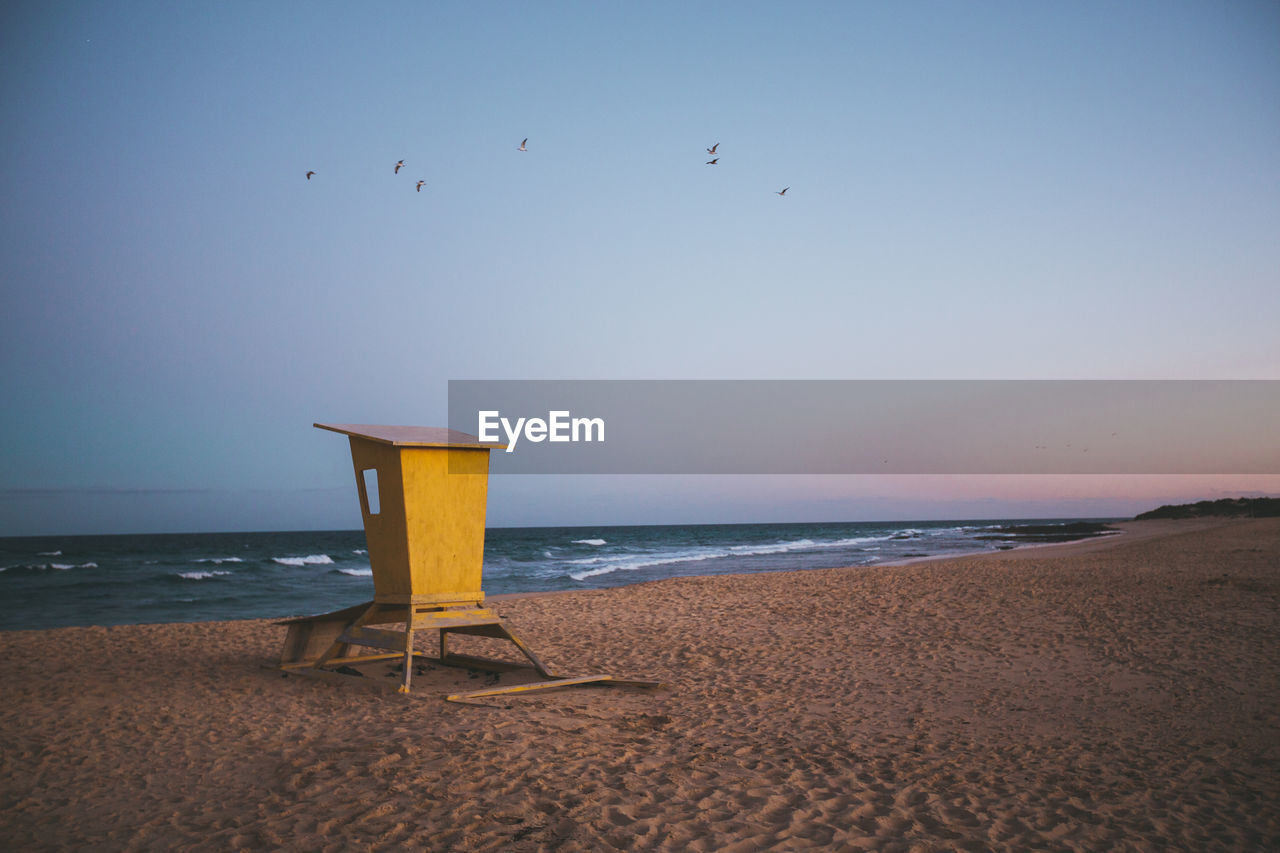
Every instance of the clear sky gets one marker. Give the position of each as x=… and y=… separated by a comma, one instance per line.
x=977, y=190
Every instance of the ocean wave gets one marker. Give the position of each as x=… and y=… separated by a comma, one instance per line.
x=614, y=563
x=309, y=560
x=357, y=573
x=588, y=542
x=45, y=567
x=49, y=554
x=775, y=548
x=359, y=551
x=218, y=561
x=28, y=567
x=801, y=545
x=588, y=561
x=199, y=576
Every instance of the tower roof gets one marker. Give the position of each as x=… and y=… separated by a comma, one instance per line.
x=413, y=436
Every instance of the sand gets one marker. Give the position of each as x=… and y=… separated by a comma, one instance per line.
x=1116, y=695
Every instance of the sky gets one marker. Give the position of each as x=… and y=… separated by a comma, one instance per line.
x=977, y=190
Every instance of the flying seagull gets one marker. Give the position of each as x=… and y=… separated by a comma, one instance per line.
x=309, y=174
x=522, y=148
x=713, y=162
x=420, y=183
x=783, y=191
x=399, y=163
x=712, y=149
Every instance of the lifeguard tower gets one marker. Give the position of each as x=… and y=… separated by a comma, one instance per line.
x=422, y=492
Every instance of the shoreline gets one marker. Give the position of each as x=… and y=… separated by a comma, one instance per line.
x=1130, y=531
x=144, y=581
x=1111, y=693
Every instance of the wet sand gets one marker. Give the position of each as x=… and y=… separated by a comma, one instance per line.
x=1116, y=694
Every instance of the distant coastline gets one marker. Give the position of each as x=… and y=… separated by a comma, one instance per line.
x=1226, y=507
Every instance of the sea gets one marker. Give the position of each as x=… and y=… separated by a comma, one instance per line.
x=57, y=581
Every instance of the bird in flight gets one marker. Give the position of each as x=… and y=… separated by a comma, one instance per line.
x=713, y=162
x=420, y=183
x=309, y=174
x=522, y=144
x=783, y=191
x=399, y=163
x=712, y=149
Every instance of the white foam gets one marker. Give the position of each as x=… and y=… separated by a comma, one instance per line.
x=857, y=540
x=218, y=561
x=776, y=548
x=588, y=542
x=358, y=573
x=199, y=576
x=638, y=563
x=801, y=545
x=589, y=561
x=50, y=554
x=359, y=551
x=609, y=564
x=309, y=560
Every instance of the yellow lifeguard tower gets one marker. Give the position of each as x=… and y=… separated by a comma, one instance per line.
x=422, y=496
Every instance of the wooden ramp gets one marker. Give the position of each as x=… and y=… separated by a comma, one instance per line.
x=471, y=696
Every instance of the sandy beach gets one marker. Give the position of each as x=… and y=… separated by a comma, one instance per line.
x=1117, y=694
